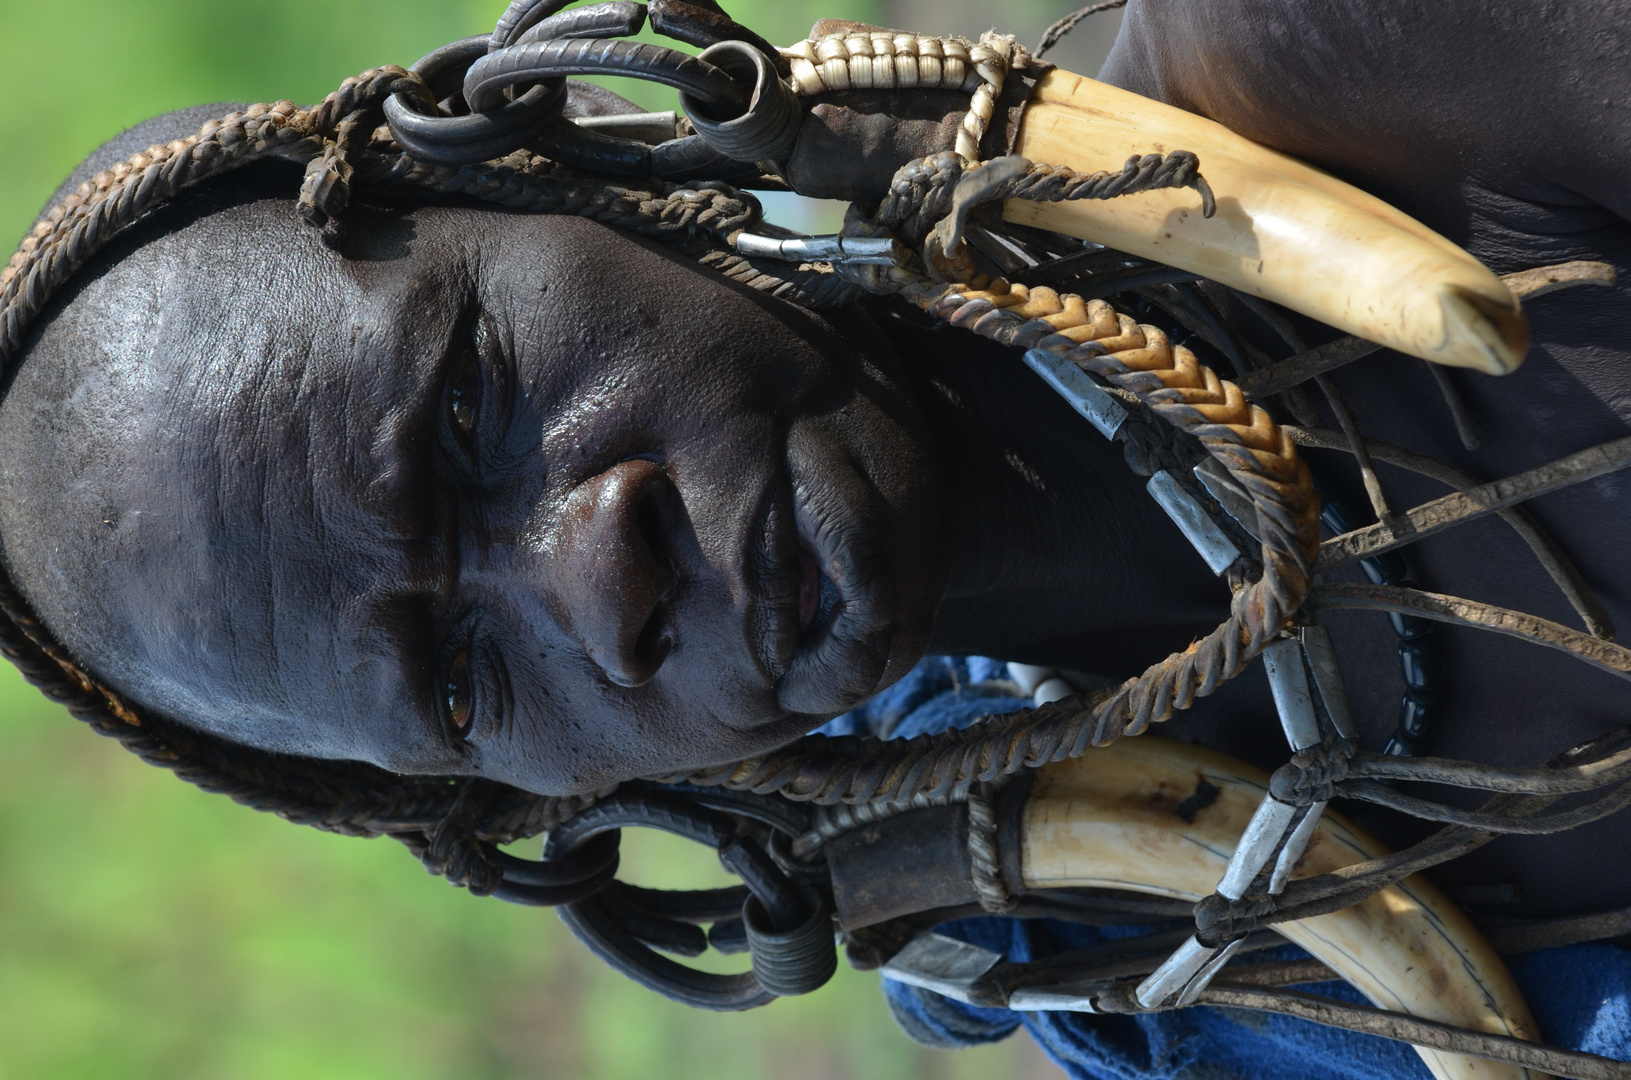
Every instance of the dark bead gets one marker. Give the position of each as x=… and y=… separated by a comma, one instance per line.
x=1409, y=627
x=1140, y=458
x=1418, y=661
x=1387, y=568
x=1402, y=745
x=1415, y=716
x=1334, y=518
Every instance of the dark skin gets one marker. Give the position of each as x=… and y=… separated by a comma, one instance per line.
x=550, y=549
x=239, y=483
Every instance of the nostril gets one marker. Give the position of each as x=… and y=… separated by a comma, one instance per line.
x=648, y=519
x=652, y=645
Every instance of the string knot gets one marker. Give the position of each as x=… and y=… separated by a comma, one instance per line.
x=1312, y=774
x=1219, y=920
x=345, y=122
x=454, y=852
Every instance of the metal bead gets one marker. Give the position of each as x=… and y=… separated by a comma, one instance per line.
x=1333, y=516
x=1387, y=568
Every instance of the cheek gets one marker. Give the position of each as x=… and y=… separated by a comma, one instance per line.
x=570, y=730
x=581, y=735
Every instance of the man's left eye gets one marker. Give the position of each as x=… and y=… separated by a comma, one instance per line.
x=464, y=393
x=457, y=693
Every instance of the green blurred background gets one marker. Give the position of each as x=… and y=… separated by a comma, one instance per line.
x=150, y=930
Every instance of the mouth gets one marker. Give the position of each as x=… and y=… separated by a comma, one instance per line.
x=842, y=603
x=818, y=596
x=823, y=611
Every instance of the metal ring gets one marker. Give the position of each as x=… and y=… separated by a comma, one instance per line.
x=443, y=69
x=528, y=47
x=496, y=71
x=648, y=809
x=466, y=140
x=763, y=131
x=617, y=927
x=563, y=141
x=782, y=815
x=690, y=905
x=656, y=810
x=576, y=876
x=578, y=865
x=691, y=158
x=518, y=18
x=654, y=928
x=778, y=893
x=729, y=936
x=513, y=892
x=780, y=850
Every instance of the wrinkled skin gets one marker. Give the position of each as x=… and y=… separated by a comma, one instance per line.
x=233, y=481
x=292, y=493
x=430, y=458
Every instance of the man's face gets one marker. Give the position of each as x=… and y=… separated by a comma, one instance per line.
x=498, y=494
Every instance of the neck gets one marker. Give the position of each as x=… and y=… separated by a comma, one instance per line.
x=1059, y=556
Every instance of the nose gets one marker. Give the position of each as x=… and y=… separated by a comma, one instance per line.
x=612, y=570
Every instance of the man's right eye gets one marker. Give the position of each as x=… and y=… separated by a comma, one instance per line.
x=464, y=394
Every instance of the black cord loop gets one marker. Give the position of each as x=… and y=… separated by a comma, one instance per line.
x=618, y=18
x=500, y=93
x=785, y=924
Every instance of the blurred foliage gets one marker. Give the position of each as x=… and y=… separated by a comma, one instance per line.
x=150, y=930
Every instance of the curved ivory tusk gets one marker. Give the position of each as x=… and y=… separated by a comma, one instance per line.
x=1111, y=819
x=1283, y=231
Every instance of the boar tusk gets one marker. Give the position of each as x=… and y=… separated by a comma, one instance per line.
x=1116, y=818
x=1283, y=230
